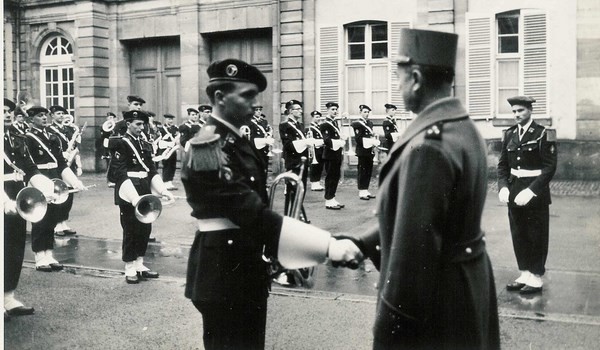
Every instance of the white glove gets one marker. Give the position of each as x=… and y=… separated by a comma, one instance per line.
x=10, y=207
x=69, y=177
x=79, y=171
x=170, y=197
x=503, y=194
x=524, y=197
x=344, y=250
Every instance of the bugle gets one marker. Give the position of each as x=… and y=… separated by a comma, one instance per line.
x=108, y=126
x=148, y=207
x=31, y=204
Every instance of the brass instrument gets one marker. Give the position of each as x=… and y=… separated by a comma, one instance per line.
x=72, y=151
x=312, y=149
x=303, y=276
x=31, y=204
x=147, y=207
x=108, y=126
x=62, y=191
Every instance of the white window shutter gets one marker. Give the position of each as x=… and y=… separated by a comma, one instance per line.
x=329, y=63
x=396, y=95
x=535, y=63
x=479, y=65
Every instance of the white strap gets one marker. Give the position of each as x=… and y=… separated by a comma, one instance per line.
x=137, y=154
x=335, y=127
x=60, y=133
x=12, y=165
x=295, y=128
x=525, y=172
x=316, y=128
x=137, y=174
x=43, y=146
x=366, y=126
x=260, y=126
x=216, y=224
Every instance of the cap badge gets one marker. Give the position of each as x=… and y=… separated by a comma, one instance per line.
x=135, y=114
x=231, y=70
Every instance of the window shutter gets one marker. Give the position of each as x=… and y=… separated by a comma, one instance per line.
x=396, y=95
x=329, y=63
x=479, y=65
x=535, y=62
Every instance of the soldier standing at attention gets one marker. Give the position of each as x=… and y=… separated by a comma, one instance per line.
x=333, y=155
x=168, y=139
x=527, y=164
x=436, y=287
x=225, y=183
x=46, y=152
x=188, y=129
x=365, y=141
x=135, y=176
x=316, y=166
x=390, y=129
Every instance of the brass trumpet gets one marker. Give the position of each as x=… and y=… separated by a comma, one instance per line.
x=31, y=204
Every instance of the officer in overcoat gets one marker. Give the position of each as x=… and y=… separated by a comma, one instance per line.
x=527, y=164
x=436, y=287
x=225, y=184
x=366, y=141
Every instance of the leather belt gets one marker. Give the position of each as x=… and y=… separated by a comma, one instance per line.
x=525, y=172
x=47, y=166
x=138, y=174
x=216, y=224
x=13, y=177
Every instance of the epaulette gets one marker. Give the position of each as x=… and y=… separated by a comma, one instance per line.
x=204, y=151
x=434, y=132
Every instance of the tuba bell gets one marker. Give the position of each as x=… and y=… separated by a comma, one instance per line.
x=61, y=191
x=31, y=204
x=108, y=125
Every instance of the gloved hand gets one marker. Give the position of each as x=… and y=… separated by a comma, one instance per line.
x=170, y=197
x=10, y=207
x=345, y=251
x=524, y=197
x=503, y=194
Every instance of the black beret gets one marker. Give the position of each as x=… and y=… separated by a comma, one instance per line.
x=290, y=103
x=10, y=104
x=235, y=70
x=20, y=111
x=111, y=114
x=203, y=108
x=332, y=104
x=256, y=107
x=361, y=107
x=427, y=47
x=389, y=105
x=316, y=113
x=521, y=100
x=190, y=110
x=35, y=110
x=132, y=98
x=54, y=109
x=168, y=116
x=136, y=115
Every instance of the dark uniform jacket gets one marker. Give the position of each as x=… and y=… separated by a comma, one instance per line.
x=167, y=133
x=535, y=151
x=436, y=287
x=133, y=155
x=62, y=133
x=187, y=131
x=265, y=124
x=257, y=130
x=46, y=151
x=18, y=129
x=289, y=132
x=16, y=155
x=315, y=133
x=331, y=131
x=225, y=179
x=363, y=129
x=389, y=126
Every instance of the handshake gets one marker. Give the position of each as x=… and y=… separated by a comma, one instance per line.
x=346, y=251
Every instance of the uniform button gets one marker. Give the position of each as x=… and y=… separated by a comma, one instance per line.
x=377, y=248
x=230, y=241
x=469, y=250
x=483, y=239
x=519, y=167
x=518, y=149
x=251, y=178
x=518, y=158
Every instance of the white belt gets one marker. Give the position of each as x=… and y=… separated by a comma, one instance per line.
x=47, y=166
x=138, y=174
x=525, y=172
x=216, y=224
x=13, y=177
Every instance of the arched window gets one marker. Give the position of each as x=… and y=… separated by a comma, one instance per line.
x=56, y=72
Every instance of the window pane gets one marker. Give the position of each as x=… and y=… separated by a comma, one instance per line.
x=379, y=50
x=503, y=94
x=55, y=89
x=356, y=78
x=70, y=73
x=508, y=73
x=357, y=52
x=65, y=87
x=55, y=75
x=508, y=44
x=380, y=78
x=64, y=75
x=72, y=104
x=379, y=33
x=71, y=89
x=508, y=25
x=48, y=50
x=355, y=99
x=356, y=34
x=48, y=75
x=379, y=99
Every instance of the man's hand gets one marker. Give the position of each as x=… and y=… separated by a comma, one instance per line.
x=524, y=197
x=503, y=194
x=170, y=197
x=10, y=207
x=78, y=185
x=344, y=252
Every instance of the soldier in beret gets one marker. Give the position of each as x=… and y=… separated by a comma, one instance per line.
x=190, y=127
x=135, y=176
x=259, y=135
x=225, y=183
x=436, y=288
x=527, y=164
x=19, y=169
x=333, y=155
x=390, y=129
x=205, y=111
x=169, y=136
x=366, y=141
x=46, y=152
x=316, y=166
x=18, y=125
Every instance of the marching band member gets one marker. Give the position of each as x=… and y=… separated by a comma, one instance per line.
x=333, y=155
x=168, y=140
x=135, y=176
x=260, y=137
x=18, y=170
x=390, y=129
x=46, y=152
x=64, y=134
x=74, y=134
x=205, y=111
x=366, y=141
x=316, y=166
x=19, y=126
x=225, y=184
x=105, y=134
x=188, y=129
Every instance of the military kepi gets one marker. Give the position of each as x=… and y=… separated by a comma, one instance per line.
x=235, y=70
x=521, y=100
x=427, y=47
x=135, y=115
